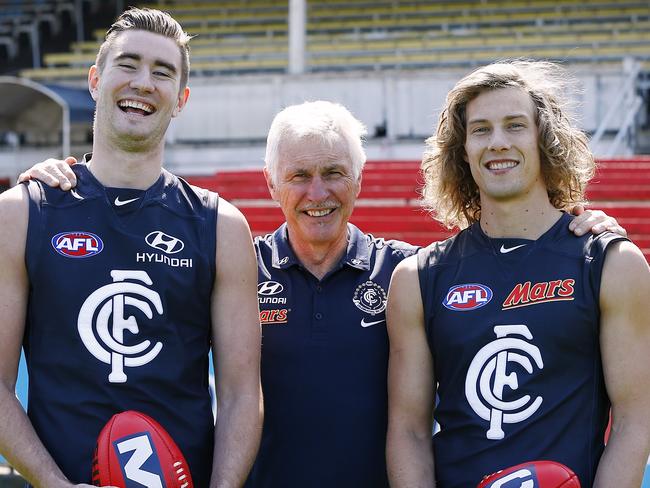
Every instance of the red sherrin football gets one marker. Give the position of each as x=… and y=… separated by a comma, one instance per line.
x=135, y=451
x=537, y=474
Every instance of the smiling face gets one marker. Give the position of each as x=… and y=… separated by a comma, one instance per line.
x=501, y=145
x=138, y=90
x=316, y=188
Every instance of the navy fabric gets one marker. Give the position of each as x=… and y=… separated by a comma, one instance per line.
x=145, y=283
x=513, y=326
x=324, y=365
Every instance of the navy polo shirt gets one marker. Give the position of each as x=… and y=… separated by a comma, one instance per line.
x=324, y=364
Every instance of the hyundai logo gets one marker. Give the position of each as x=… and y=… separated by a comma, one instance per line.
x=164, y=242
x=269, y=288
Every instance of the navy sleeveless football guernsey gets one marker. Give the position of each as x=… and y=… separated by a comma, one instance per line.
x=119, y=315
x=513, y=326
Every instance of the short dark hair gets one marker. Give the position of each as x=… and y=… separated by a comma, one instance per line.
x=150, y=20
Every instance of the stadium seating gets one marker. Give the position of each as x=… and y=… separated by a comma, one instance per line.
x=237, y=37
x=388, y=204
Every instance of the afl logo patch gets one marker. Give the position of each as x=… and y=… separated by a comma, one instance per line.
x=469, y=296
x=369, y=297
x=77, y=244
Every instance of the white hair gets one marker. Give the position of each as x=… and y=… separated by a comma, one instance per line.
x=320, y=119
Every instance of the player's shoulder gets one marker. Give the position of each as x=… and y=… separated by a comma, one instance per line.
x=407, y=265
x=14, y=215
x=624, y=258
x=230, y=216
x=592, y=244
x=399, y=249
x=14, y=201
x=186, y=195
x=452, y=249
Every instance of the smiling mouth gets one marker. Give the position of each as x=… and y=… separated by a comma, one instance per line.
x=135, y=107
x=501, y=165
x=319, y=213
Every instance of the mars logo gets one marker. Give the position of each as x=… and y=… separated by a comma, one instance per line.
x=369, y=297
x=139, y=462
x=487, y=378
x=77, y=244
x=274, y=316
x=164, y=242
x=105, y=308
x=471, y=296
x=524, y=294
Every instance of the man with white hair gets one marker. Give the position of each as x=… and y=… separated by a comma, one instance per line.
x=325, y=348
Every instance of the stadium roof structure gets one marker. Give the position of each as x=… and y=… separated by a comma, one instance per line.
x=28, y=106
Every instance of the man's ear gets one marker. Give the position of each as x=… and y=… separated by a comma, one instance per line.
x=93, y=81
x=182, y=100
x=269, y=183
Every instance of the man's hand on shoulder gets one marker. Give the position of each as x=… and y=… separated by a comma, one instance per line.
x=52, y=172
x=594, y=221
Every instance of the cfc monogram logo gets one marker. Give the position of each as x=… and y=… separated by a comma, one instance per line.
x=369, y=297
x=105, y=309
x=487, y=378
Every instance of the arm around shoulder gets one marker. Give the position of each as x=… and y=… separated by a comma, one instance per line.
x=625, y=342
x=14, y=208
x=411, y=387
x=236, y=342
x=19, y=442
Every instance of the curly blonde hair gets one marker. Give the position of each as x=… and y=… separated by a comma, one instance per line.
x=567, y=164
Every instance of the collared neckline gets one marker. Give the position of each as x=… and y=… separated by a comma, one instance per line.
x=356, y=256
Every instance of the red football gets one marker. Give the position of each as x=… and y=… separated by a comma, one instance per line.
x=135, y=451
x=534, y=474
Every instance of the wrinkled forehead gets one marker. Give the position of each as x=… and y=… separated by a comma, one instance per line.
x=313, y=151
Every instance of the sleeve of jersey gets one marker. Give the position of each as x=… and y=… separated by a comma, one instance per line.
x=35, y=223
x=212, y=206
x=423, y=255
x=597, y=250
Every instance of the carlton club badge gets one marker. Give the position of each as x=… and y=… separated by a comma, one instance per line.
x=369, y=297
x=488, y=380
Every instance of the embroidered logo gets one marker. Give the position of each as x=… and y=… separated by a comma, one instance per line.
x=369, y=297
x=469, y=296
x=77, y=244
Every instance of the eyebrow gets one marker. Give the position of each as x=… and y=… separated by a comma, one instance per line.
x=137, y=57
x=507, y=117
